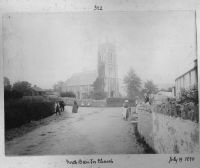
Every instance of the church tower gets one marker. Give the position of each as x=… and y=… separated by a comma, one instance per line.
x=107, y=68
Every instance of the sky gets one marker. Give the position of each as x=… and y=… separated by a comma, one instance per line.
x=46, y=48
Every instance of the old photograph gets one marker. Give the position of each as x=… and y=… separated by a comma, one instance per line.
x=89, y=83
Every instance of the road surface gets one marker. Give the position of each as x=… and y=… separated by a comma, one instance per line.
x=90, y=131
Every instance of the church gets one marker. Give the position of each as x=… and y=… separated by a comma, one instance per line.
x=82, y=83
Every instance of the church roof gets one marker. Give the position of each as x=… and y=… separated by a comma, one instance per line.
x=83, y=78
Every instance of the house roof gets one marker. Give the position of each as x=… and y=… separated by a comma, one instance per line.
x=83, y=78
x=37, y=89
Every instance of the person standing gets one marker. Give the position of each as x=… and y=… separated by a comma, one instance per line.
x=125, y=109
x=75, y=107
x=57, y=108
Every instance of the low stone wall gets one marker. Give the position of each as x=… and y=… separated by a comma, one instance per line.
x=167, y=134
x=174, y=135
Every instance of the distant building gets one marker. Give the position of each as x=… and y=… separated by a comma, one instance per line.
x=36, y=91
x=107, y=68
x=82, y=83
x=187, y=80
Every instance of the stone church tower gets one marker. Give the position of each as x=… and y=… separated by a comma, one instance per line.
x=107, y=68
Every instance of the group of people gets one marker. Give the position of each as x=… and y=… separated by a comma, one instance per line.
x=126, y=112
x=60, y=107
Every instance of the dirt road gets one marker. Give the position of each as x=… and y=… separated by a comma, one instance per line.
x=90, y=131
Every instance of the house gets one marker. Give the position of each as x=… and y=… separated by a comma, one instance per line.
x=37, y=91
x=187, y=80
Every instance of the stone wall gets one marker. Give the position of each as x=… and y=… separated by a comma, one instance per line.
x=166, y=134
x=174, y=135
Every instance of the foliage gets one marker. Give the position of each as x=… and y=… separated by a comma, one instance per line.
x=101, y=69
x=186, y=110
x=99, y=95
x=23, y=87
x=67, y=94
x=133, y=85
x=99, y=85
x=19, y=113
x=190, y=95
x=7, y=85
x=12, y=94
x=150, y=87
x=8, y=92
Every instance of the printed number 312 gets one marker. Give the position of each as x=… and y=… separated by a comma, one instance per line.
x=96, y=7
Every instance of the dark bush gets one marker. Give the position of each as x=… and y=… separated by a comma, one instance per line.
x=18, y=113
x=99, y=95
x=8, y=94
x=67, y=94
x=187, y=111
x=190, y=95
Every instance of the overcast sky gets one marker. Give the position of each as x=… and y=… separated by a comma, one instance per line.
x=46, y=48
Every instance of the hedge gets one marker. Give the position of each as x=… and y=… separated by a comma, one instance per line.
x=19, y=113
x=187, y=111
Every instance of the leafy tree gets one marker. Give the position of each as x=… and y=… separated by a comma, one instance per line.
x=7, y=85
x=99, y=85
x=150, y=87
x=23, y=87
x=99, y=95
x=133, y=85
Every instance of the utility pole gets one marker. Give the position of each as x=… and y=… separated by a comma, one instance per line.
x=196, y=49
x=196, y=41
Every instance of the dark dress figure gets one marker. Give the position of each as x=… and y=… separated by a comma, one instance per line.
x=75, y=107
x=62, y=105
x=57, y=109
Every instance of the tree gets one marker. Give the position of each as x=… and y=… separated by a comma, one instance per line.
x=7, y=85
x=23, y=87
x=99, y=89
x=133, y=85
x=9, y=93
x=99, y=95
x=150, y=87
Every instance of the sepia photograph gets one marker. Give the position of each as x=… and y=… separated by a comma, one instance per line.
x=89, y=83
